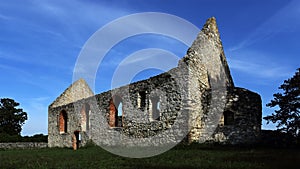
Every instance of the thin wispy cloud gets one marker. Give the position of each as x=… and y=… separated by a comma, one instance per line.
x=259, y=64
x=18, y=58
x=6, y=69
x=259, y=69
x=4, y=17
x=74, y=21
x=13, y=57
x=60, y=24
x=142, y=60
x=285, y=20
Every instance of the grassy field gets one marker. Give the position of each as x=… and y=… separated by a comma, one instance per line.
x=180, y=157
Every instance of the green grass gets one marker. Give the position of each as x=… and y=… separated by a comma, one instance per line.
x=180, y=157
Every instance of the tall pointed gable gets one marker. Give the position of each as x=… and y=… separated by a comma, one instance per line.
x=77, y=91
x=207, y=49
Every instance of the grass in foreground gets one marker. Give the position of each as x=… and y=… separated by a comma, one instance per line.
x=180, y=157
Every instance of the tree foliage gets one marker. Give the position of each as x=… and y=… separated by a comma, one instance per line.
x=11, y=117
x=287, y=116
x=6, y=138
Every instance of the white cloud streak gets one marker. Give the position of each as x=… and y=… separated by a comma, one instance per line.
x=258, y=69
x=4, y=17
x=258, y=65
x=285, y=20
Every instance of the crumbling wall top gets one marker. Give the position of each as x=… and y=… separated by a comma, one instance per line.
x=77, y=91
x=207, y=50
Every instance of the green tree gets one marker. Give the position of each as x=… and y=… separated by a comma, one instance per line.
x=287, y=116
x=11, y=117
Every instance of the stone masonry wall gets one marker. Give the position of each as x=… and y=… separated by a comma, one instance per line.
x=246, y=107
x=23, y=145
x=210, y=80
x=76, y=91
x=190, y=99
x=137, y=120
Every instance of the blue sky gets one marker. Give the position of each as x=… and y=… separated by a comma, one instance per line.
x=41, y=40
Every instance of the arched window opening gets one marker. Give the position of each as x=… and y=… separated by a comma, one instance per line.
x=116, y=112
x=228, y=118
x=120, y=115
x=63, y=122
x=85, y=111
x=112, y=114
x=155, y=114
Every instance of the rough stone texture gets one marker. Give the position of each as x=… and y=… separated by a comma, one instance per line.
x=189, y=99
x=23, y=145
x=136, y=122
x=209, y=78
x=247, y=118
x=78, y=90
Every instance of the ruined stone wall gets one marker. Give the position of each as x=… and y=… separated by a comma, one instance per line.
x=23, y=145
x=246, y=108
x=192, y=97
x=245, y=125
x=76, y=91
x=75, y=119
x=209, y=78
x=137, y=119
x=55, y=137
x=245, y=105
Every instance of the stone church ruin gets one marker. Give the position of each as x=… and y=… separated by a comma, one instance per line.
x=195, y=101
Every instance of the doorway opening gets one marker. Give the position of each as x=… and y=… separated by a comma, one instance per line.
x=76, y=140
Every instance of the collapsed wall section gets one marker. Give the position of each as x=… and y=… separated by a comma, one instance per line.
x=209, y=79
x=241, y=121
x=200, y=91
x=219, y=111
x=140, y=110
x=149, y=108
x=65, y=122
x=76, y=91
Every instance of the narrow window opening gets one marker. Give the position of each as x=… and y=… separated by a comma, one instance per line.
x=142, y=100
x=63, y=121
x=120, y=115
x=116, y=112
x=228, y=118
x=112, y=114
x=155, y=115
